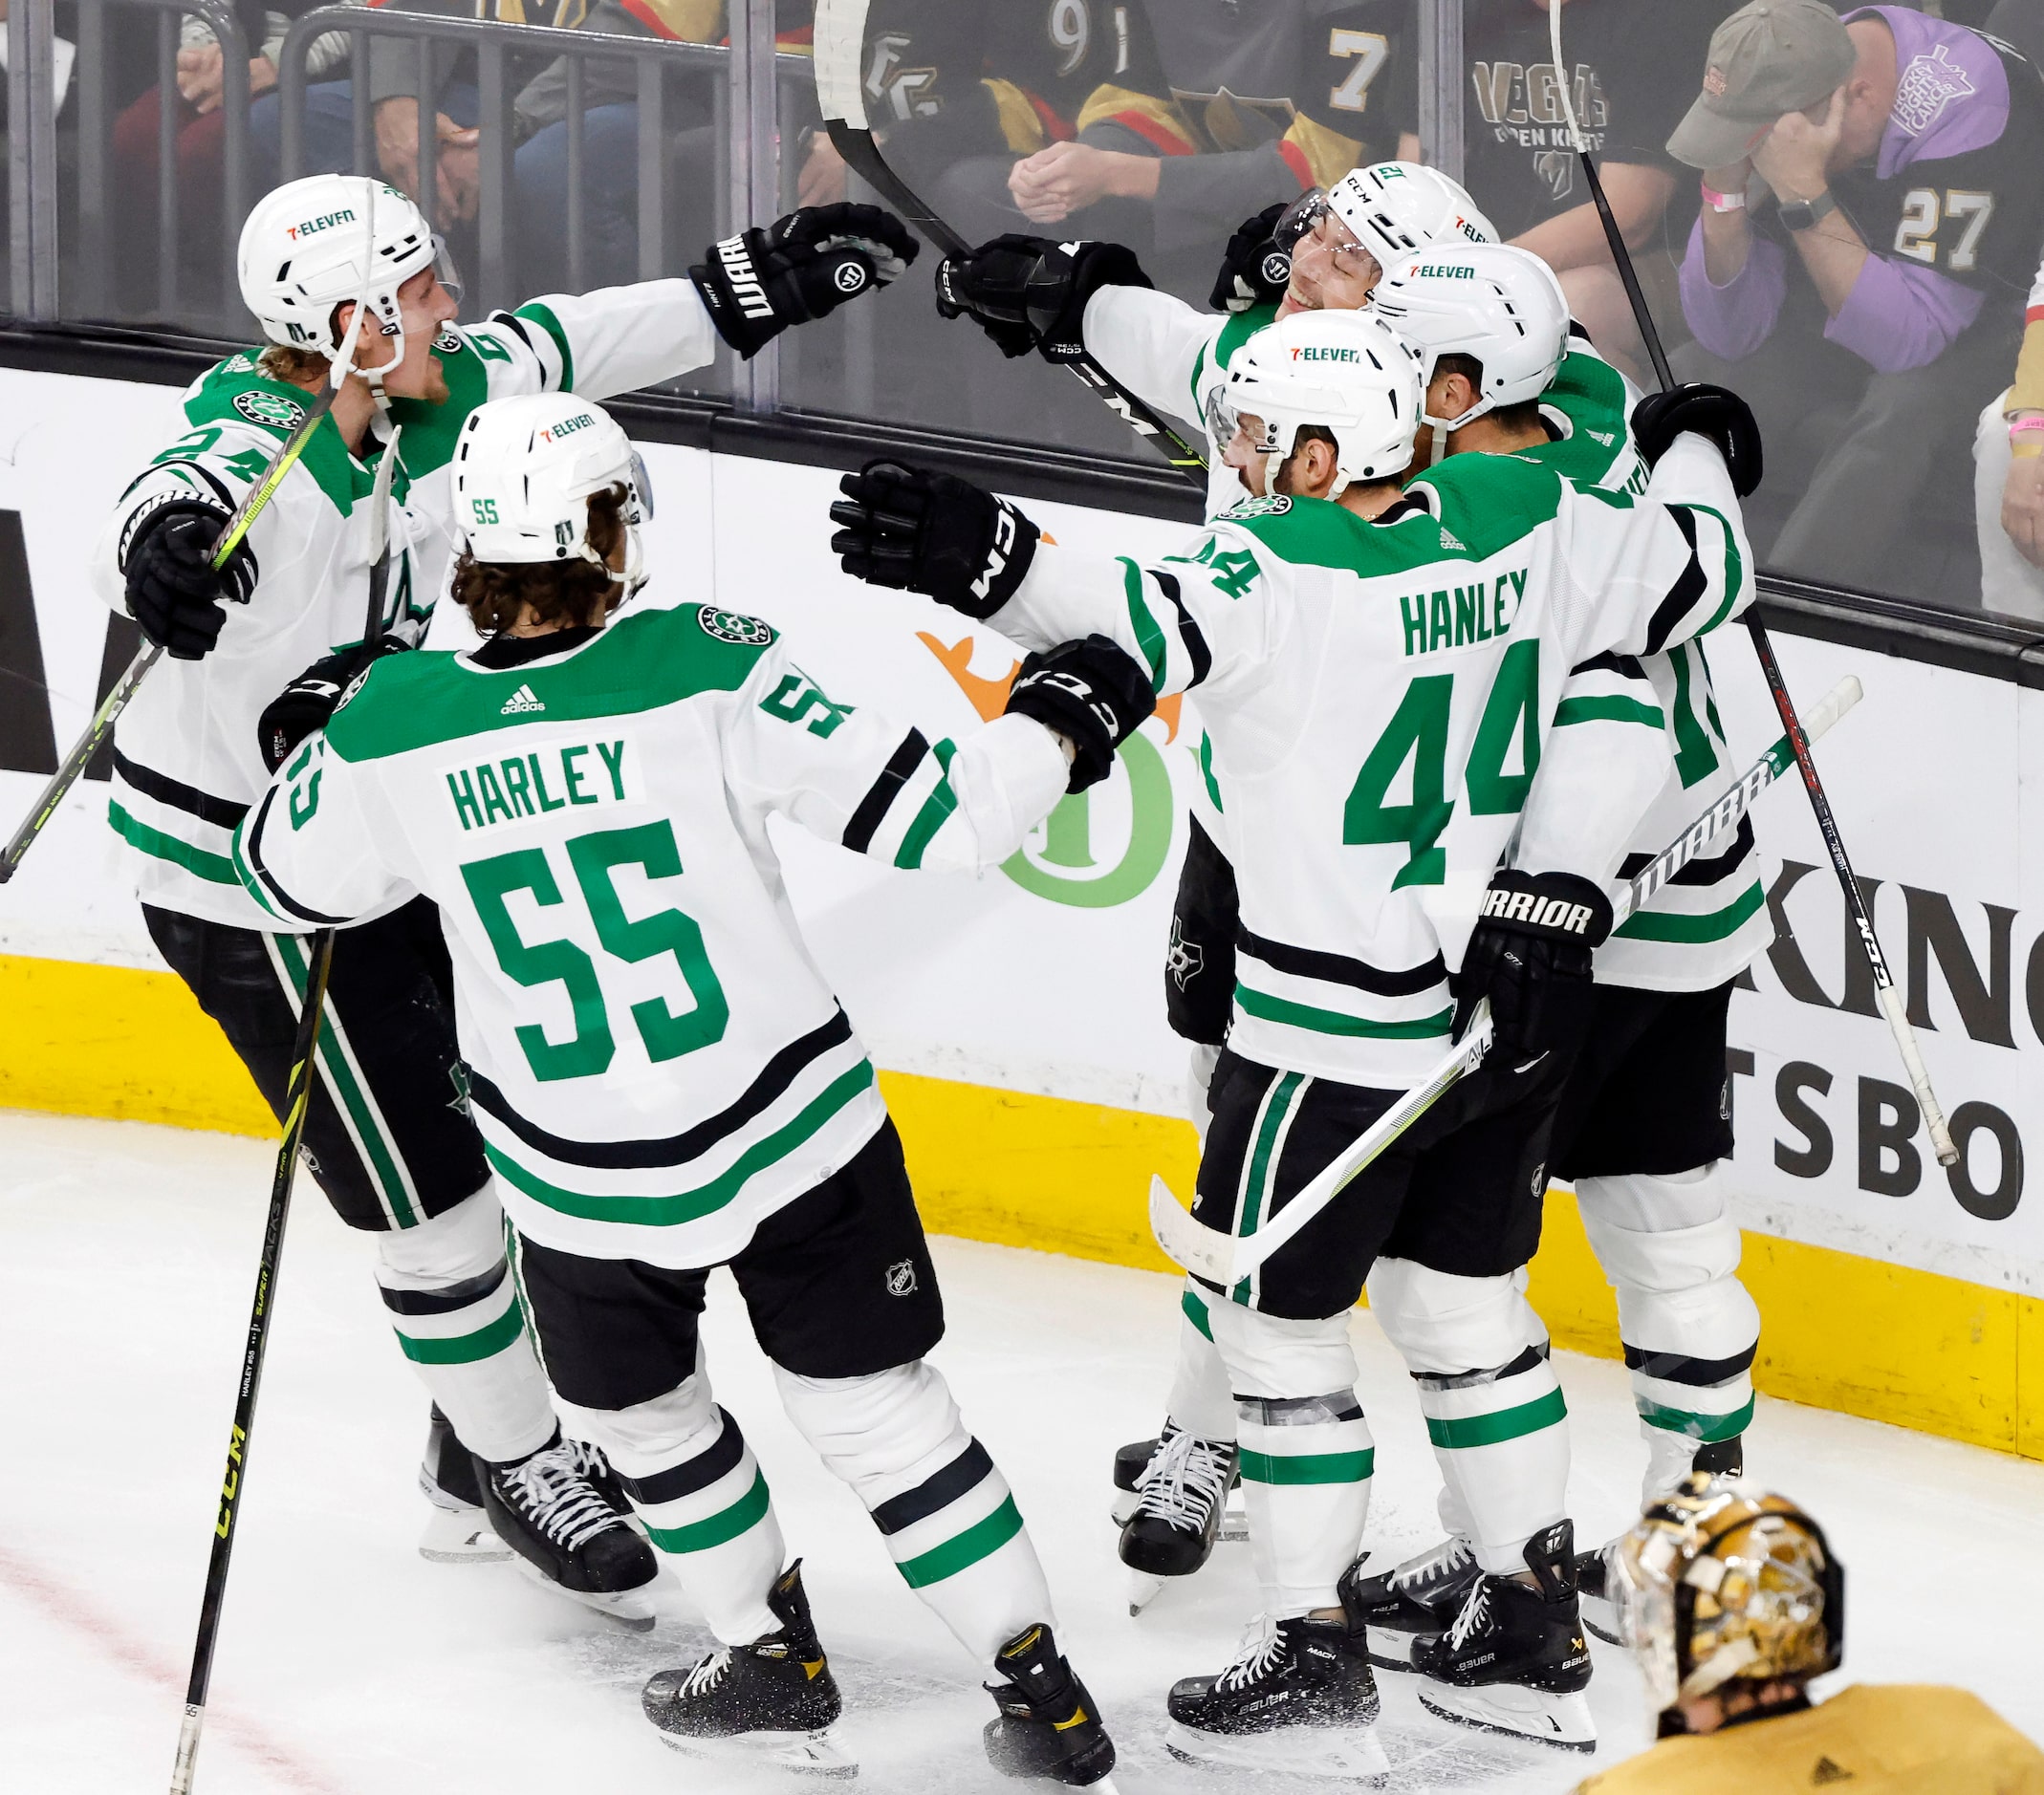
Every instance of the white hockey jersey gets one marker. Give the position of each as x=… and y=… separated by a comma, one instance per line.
x=1712, y=921
x=654, y=1061
x=1377, y=696
x=186, y=760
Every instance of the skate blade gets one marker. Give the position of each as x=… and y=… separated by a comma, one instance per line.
x=1562, y=1721
x=632, y=1609
x=1126, y=1503
x=1388, y=1648
x=1351, y=1753
x=1143, y=1590
x=1600, y=1618
x=461, y=1535
x=804, y=1754
x=1234, y=1525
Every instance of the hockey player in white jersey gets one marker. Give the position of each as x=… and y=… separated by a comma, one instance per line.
x=662, y=1081
x=1325, y=251
x=389, y=1138
x=1378, y=675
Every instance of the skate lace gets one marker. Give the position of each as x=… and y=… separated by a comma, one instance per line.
x=1261, y=1652
x=1475, y=1612
x=1185, y=1479
x=707, y=1673
x=553, y=1488
x=1437, y=1565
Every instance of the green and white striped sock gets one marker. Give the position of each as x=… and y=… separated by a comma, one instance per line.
x=1502, y=1440
x=469, y=1345
x=1306, y=1466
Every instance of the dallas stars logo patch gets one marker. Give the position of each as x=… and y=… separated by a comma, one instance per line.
x=734, y=626
x=273, y=409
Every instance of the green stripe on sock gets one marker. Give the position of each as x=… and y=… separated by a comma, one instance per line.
x=466, y=1347
x=1706, y=1430
x=1196, y=1313
x=1492, y=1430
x=979, y=1541
x=727, y=1523
x=1311, y=1467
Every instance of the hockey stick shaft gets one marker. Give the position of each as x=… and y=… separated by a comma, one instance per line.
x=1827, y=822
x=298, y=1104
x=258, y=496
x=1226, y=1258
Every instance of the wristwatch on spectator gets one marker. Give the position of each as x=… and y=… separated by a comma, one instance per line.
x=1801, y=214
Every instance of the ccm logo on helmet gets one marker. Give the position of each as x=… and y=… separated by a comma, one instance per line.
x=313, y=226
x=1540, y=913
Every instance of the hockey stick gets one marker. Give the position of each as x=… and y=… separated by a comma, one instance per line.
x=840, y=35
x=252, y=503
x=297, y=1104
x=1891, y=1002
x=1226, y=1258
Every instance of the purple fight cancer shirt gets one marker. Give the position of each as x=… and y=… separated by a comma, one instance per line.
x=1949, y=161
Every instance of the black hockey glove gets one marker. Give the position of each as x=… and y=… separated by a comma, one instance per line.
x=309, y=701
x=1254, y=271
x=1529, y=954
x=802, y=267
x=1712, y=412
x=174, y=593
x=926, y=532
x=1031, y=292
x=1093, y=694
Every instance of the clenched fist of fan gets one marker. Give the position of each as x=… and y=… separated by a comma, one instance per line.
x=931, y=533
x=802, y=267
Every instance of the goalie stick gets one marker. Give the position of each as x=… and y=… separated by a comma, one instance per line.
x=252, y=503
x=297, y=1101
x=1890, y=999
x=1226, y=1258
x=840, y=35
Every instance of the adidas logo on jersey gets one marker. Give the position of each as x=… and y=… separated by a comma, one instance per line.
x=523, y=700
x=1449, y=540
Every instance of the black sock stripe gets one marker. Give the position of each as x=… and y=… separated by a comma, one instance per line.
x=774, y=1078
x=450, y=1297
x=692, y=1474
x=971, y=1468
x=1528, y=1360
x=1678, y=1368
x=1683, y=595
x=1189, y=631
x=873, y=807
x=221, y=812
x=1299, y=1411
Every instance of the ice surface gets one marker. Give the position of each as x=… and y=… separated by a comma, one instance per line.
x=349, y=1664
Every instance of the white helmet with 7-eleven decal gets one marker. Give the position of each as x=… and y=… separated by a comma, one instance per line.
x=525, y=469
x=312, y=246
x=1500, y=305
x=1391, y=210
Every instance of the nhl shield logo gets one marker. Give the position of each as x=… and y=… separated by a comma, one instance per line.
x=901, y=1278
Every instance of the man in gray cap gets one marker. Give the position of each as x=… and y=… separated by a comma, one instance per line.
x=1871, y=215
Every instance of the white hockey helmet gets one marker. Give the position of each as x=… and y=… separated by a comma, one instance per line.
x=1391, y=208
x=1348, y=372
x=525, y=469
x=307, y=248
x=1501, y=306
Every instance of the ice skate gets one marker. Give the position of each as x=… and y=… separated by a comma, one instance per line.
x=1592, y=1594
x=1134, y=1458
x=458, y=1533
x=771, y=1702
x=1048, y=1728
x=1418, y=1597
x=1300, y=1698
x=1516, y=1660
x=1180, y=1497
x=560, y=1510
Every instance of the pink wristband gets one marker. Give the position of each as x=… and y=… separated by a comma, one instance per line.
x=2026, y=427
x=1722, y=202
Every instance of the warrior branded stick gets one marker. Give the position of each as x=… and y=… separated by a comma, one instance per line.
x=1890, y=998
x=297, y=1101
x=840, y=32
x=1226, y=1258
x=252, y=505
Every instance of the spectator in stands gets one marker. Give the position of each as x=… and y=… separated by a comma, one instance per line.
x=1871, y=218
x=2008, y=481
x=1631, y=73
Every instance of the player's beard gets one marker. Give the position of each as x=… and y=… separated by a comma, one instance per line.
x=437, y=391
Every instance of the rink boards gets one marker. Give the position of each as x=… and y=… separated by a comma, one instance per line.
x=1017, y=1018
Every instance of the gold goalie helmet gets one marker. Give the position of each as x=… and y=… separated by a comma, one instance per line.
x=1715, y=1582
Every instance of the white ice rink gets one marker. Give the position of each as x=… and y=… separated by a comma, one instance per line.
x=349, y=1664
